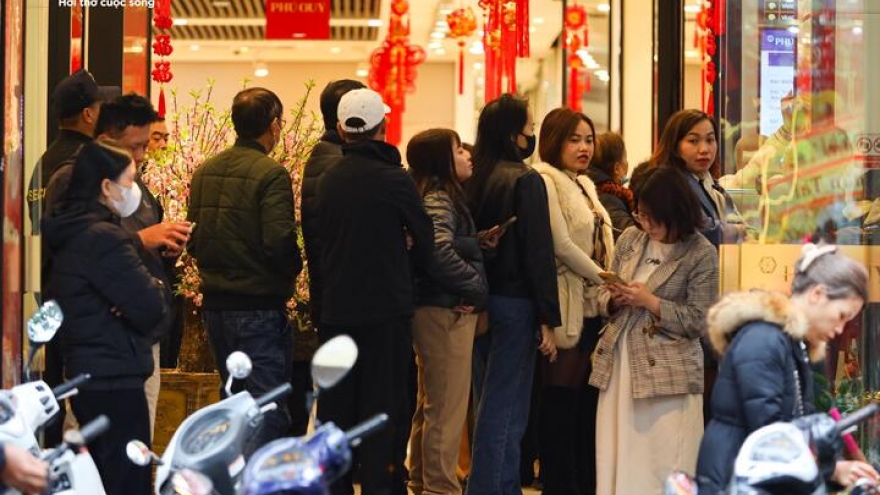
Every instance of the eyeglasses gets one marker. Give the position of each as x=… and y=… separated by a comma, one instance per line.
x=642, y=218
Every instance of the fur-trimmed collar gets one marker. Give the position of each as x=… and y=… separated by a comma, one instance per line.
x=735, y=310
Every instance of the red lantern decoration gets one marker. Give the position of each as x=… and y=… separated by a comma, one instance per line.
x=162, y=48
x=462, y=24
x=393, y=68
x=710, y=23
x=576, y=37
x=505, y=38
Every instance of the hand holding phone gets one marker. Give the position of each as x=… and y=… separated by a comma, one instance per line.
x=507, y=223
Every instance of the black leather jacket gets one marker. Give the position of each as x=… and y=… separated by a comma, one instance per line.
x=523, y=265
x=455, y=274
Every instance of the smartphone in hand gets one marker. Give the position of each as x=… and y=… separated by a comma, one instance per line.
x=507, y=223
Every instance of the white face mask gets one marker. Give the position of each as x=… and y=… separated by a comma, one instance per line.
x=131, y=199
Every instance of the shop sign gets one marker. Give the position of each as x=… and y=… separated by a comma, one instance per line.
x=868, y=149
x=298, y=19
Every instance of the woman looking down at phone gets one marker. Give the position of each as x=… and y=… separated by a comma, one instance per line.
x=648, y=363
x=583, y=243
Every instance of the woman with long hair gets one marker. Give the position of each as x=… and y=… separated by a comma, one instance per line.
x=523, y=300
x=583, y=243
x=648, y=363
x=607, y=170
x=111, y=304
x=689, y=143
x=768, y=340
x=451, y=289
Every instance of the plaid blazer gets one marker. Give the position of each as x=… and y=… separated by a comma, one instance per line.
x=664, y=354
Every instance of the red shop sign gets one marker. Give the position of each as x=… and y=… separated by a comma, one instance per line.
x=297, y=19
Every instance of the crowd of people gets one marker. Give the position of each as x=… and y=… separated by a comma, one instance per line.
x=494, y=273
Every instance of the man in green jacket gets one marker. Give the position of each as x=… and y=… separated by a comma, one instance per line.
x=245, y=244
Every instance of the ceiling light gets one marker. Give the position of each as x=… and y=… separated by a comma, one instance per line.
x=445, y=12
x=532, y=29
x=477, y=48
x=603, y=7
x=262, y=70
x=440, y=51
x=180, y=22
x=362, y=72
x=692, y=9
x=336, y=49
x=194, y=47
x=435, y=45
x=794, y=30
x=857, y=30
x=244, y=49
x=538, y=20
x=222, y=4
x=437, y=36
x=374, y=23
x=478, y=66
x=690, y=53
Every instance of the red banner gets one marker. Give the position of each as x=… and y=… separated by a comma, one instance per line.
x=297, y=19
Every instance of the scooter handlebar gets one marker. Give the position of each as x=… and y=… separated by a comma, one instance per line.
x=274, y=394
x=74, y=439
x=857, y=417
x=365, y=429
x=71, y=384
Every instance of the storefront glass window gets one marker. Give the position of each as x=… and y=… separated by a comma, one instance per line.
x=800, y=117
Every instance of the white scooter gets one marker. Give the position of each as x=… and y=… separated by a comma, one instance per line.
x=210, y=442
x=29, y=406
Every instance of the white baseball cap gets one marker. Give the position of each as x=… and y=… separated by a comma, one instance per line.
x=364, y=104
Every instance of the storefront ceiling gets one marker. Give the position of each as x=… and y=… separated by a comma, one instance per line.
x=232, y=30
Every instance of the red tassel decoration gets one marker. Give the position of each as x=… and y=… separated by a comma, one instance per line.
x=460, y=69
x=161, y=105
x=462, y=23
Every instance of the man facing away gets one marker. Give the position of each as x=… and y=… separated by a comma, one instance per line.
x=370, y=212
x=245, y=245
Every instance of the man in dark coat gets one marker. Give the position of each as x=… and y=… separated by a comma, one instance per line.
x=324, y=156
x=373, y=226
x=245, y=245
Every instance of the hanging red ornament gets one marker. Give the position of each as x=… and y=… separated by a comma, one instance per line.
x=576, y=39
x=505, y=38
x=393, y=68
x=707, y=22
x=162, y=48
x=462, y=24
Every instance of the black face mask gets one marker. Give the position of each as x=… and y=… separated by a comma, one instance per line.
x=531, y=141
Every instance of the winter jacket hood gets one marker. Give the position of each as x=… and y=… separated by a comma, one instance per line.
x=736, y=310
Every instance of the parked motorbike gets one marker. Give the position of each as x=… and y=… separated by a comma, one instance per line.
x=788, y=458
x=29, y=406
x=308, y=465
x=206, y=449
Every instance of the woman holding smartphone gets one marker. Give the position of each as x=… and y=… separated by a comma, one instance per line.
x=583, y=243
x=523, y=300
x=648, y=363
x=450, y=291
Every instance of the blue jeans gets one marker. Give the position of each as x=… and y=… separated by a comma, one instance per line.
x=264, y=335
x=503, y=368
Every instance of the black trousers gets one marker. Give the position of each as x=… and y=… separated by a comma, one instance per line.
x=379, y=382
x=129, y=420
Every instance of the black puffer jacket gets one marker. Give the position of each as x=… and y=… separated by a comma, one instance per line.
x=455, y=274
x=615, y=204
x=97, y=273
x=759, y=336
x=325, y=155
x=523, y=264
x=244, y=240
